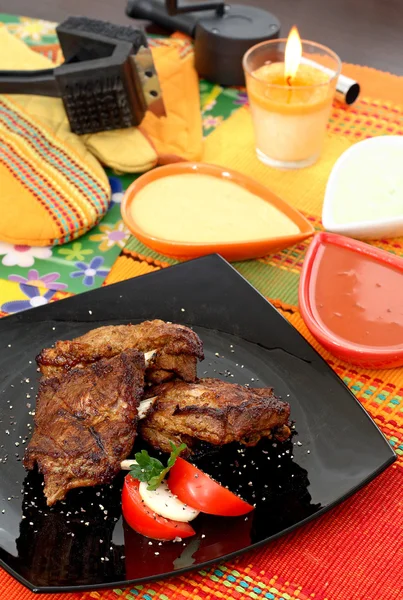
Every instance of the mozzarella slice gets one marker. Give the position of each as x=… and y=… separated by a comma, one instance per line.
x=163, y=502
x=126, y=465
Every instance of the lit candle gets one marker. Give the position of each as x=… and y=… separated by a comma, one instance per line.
x=291, y=84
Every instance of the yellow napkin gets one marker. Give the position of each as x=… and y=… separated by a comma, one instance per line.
x=159, y=140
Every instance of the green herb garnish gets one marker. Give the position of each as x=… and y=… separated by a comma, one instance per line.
x=151, y=470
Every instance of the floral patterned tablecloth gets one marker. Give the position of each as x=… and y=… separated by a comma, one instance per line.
x=32, y=277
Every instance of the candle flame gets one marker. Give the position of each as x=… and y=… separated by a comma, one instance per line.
x=293, y=54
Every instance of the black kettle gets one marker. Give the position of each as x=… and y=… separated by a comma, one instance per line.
x=222, y=32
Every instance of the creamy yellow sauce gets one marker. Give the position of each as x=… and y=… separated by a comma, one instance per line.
x=369, y=186
x=199, y=209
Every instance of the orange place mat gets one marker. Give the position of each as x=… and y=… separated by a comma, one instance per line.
x=354, y=552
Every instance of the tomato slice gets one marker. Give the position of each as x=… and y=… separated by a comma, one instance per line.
x=198, y=490
x=145, y=521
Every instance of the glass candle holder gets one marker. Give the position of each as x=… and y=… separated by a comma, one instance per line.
x=290, y=115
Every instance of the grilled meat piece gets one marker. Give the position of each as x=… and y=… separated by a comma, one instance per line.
x=165, y=367
x=215, y=412
x=85, y=423
x=178, y=349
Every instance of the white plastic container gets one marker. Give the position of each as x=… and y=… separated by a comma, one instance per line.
x=364, y=193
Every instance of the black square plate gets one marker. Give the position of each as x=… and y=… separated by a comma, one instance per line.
x=82, y=543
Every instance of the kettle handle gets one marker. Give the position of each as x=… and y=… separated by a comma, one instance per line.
x=156, y=11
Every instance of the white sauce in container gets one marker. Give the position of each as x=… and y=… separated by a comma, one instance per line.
x=364, y=194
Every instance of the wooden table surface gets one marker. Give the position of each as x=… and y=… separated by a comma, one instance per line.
x=366, y=32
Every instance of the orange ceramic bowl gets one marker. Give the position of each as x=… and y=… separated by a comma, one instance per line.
x=229, y=250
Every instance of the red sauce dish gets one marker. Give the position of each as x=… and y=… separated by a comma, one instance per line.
x=351, y=299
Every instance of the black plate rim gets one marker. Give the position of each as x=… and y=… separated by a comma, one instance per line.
x=161, y=576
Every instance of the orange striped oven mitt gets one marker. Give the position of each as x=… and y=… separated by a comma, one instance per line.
x=53, y=188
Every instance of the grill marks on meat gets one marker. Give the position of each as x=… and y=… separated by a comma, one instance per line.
x=86, y=423
x=215, y=412
x=86, y=413
x=166, y=366
x=178, y=348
